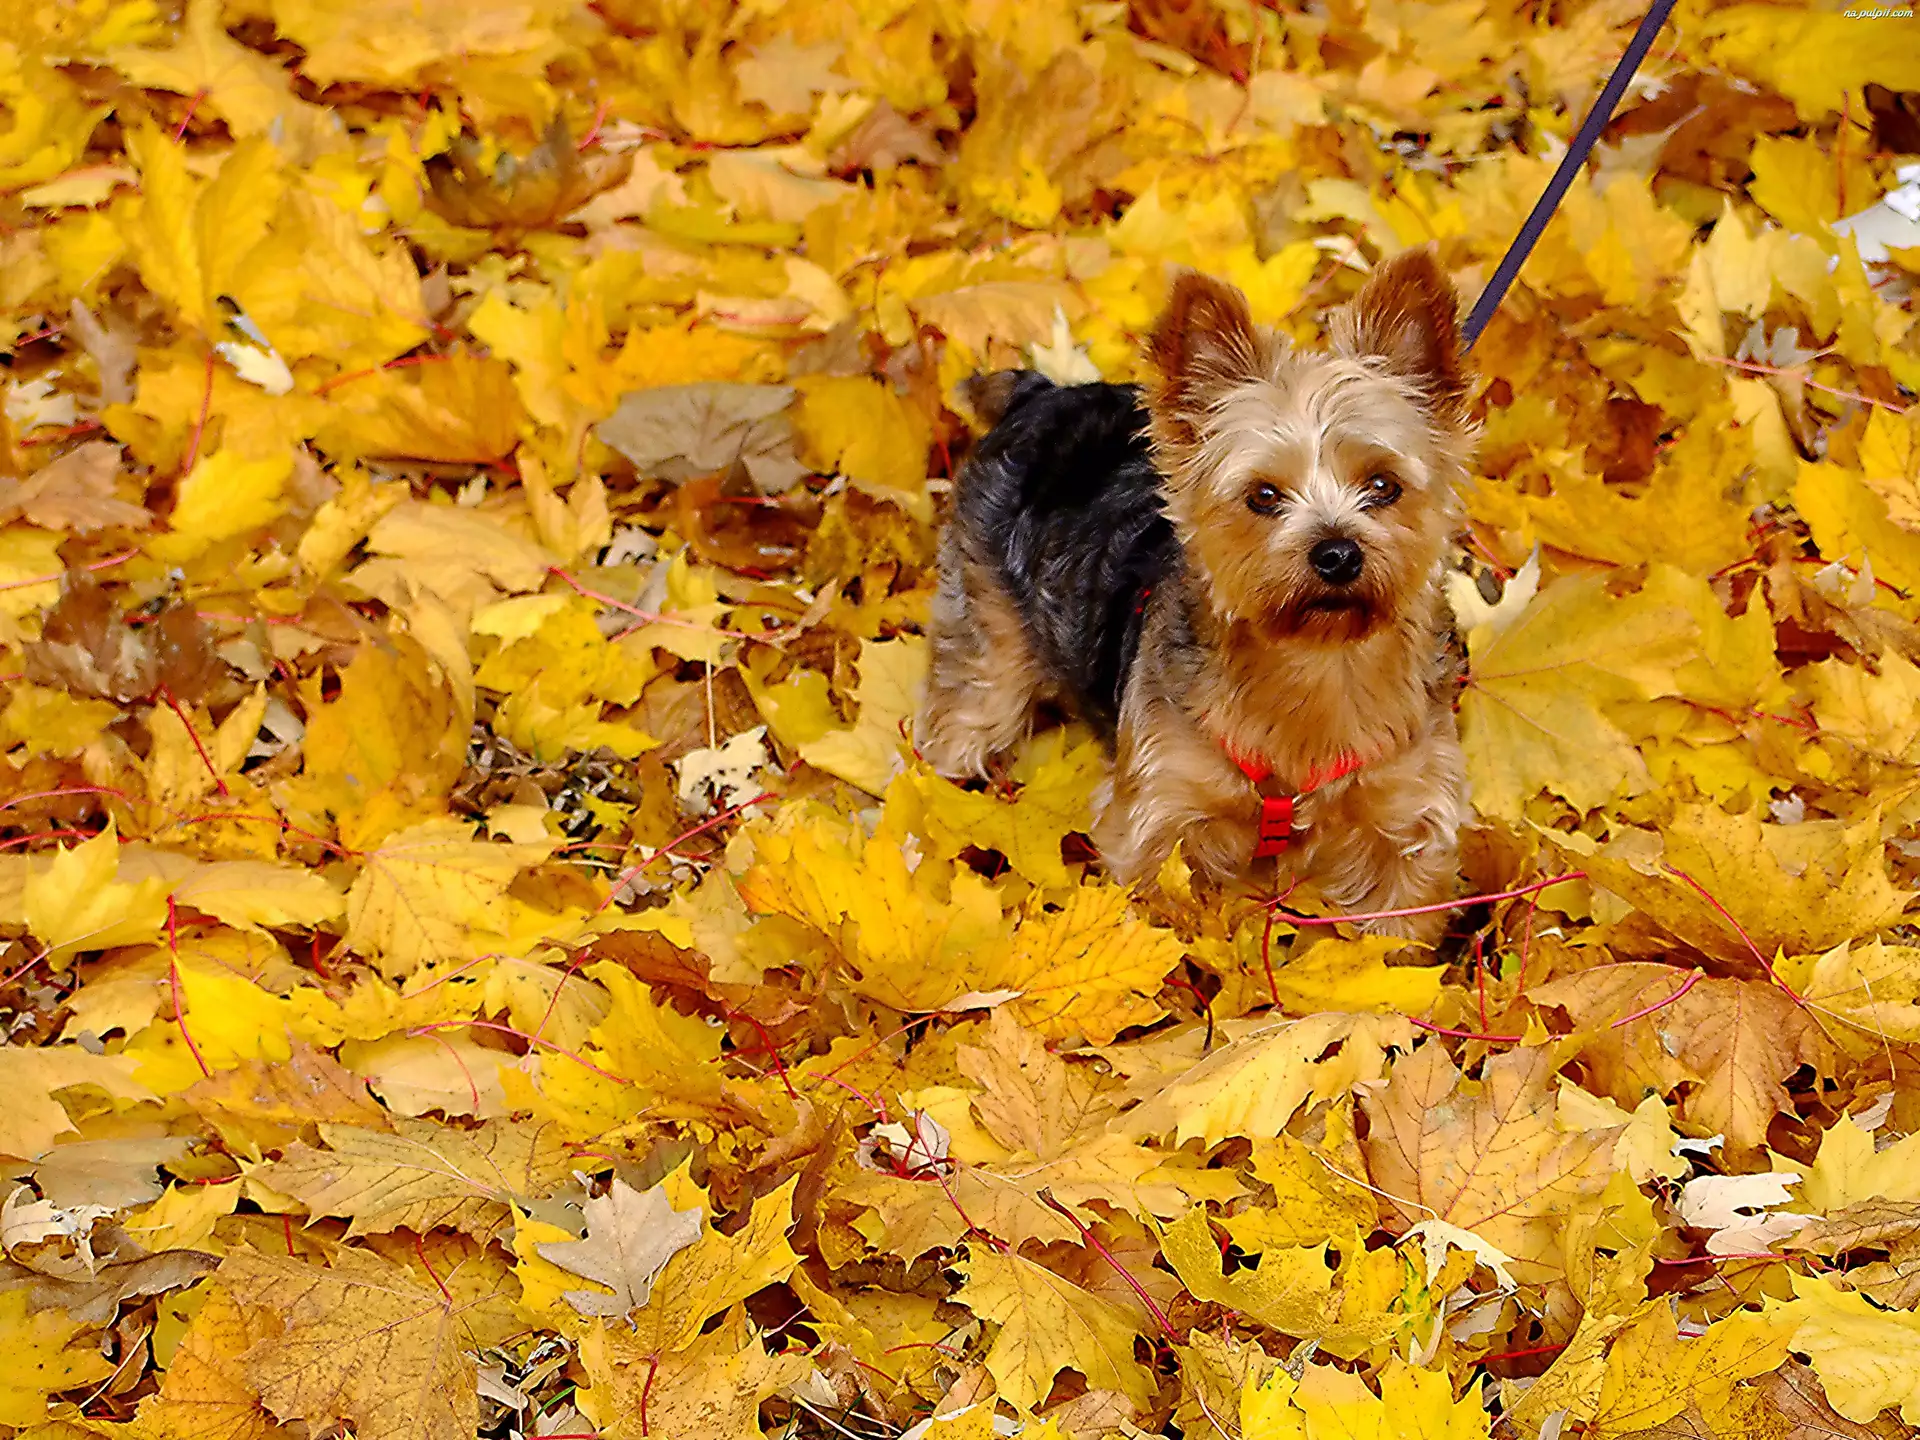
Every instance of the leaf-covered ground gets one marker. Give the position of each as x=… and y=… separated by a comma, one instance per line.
x=481, y=958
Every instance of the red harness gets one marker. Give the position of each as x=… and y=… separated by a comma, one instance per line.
x=1276, y=811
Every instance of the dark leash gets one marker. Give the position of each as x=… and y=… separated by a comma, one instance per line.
x=1570, y=163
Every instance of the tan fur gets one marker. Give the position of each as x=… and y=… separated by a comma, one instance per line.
x=983, y=681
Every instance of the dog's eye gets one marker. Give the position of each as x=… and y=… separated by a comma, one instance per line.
x=1379, y=490
x=1265, y=499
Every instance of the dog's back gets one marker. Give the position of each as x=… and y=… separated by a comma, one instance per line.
x=1061, y=504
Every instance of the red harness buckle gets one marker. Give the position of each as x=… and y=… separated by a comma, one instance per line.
x=1276, y=825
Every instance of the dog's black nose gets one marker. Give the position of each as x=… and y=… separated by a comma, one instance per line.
x=1336, y=561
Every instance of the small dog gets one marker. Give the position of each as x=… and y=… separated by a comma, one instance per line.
x=1234, y=573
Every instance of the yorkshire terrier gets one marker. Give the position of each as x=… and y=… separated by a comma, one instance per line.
x=1234, y=573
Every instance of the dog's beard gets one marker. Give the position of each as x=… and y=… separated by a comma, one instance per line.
x=1323, y=615
x=1330, y=618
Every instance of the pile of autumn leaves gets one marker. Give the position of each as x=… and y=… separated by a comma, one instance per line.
x=480, y=956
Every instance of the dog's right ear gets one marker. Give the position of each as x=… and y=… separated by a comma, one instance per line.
x=1204, y=340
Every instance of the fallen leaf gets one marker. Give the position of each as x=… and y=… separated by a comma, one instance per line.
x=676, y=432
x=631, y=1234
x=360, y=1341
x=75, y=492
x=1485, y=1156
x=422, y=1176
x=1047, y=1325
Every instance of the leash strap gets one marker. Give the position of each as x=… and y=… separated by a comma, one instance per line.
x=1570, y=163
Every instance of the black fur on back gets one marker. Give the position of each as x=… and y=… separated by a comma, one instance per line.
x=1061, y=500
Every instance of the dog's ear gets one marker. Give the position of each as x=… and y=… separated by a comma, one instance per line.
x=1204, y=339
x=1408, y=316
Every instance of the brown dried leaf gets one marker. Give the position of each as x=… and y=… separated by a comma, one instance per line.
x=1487, y=1155
x=1735, y=1041
x=117, y=1172
x=1789, y=1405
x=675, y=432
x=522, y=193
x=631, y=1234
x=262, y=1101
x=74, y=493
x=1892, y=1226
x=86, y=647
x=1030, y=1098
x=92, y=1300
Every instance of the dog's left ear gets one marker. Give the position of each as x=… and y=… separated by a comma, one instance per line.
x=1408, y=315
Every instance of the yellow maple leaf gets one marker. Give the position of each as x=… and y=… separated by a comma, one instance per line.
x=318, y=286
x=1056, y=774
x=1048, y=1324
x=1088, y=968
x=192, y=241
x=255, y=895
x=1534, y=714
x=1873, y=989
x=178, y=774
x=571, y=527
x=432, y=892
x=423, y=1176
x=662, y=1054
x=361, y=1341
x=1651, y=1375
x=77, y=902
x=389, y=40
x=1812, y=57
x=868, y=753
x=691, y=621
x=1867, y=1358
x=858, y=427
x=1849, y=1169
x=1851, y=523
x=230, y=1017
x=204, y=1389
x=378, y=748
x=1330, y=973
x=34, y=1119
x=555, y=350
x=463, y=409
x=183, y=1218
x=246, y=89
x=558, y=668
x=419, y=1074
x=45, y=721
x=1252, y=1085
x=224, y=495
x=1792, y=888
x=1877, y=710
x=1325, y=1402
x=1676, y=519
x=712, y=1386
x=52, y=120
x=1314, y=1199
x=41, y=1351
x=717, y=1271
x=1296, y=1291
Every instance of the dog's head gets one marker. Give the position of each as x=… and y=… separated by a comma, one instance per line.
x=1314, y=491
